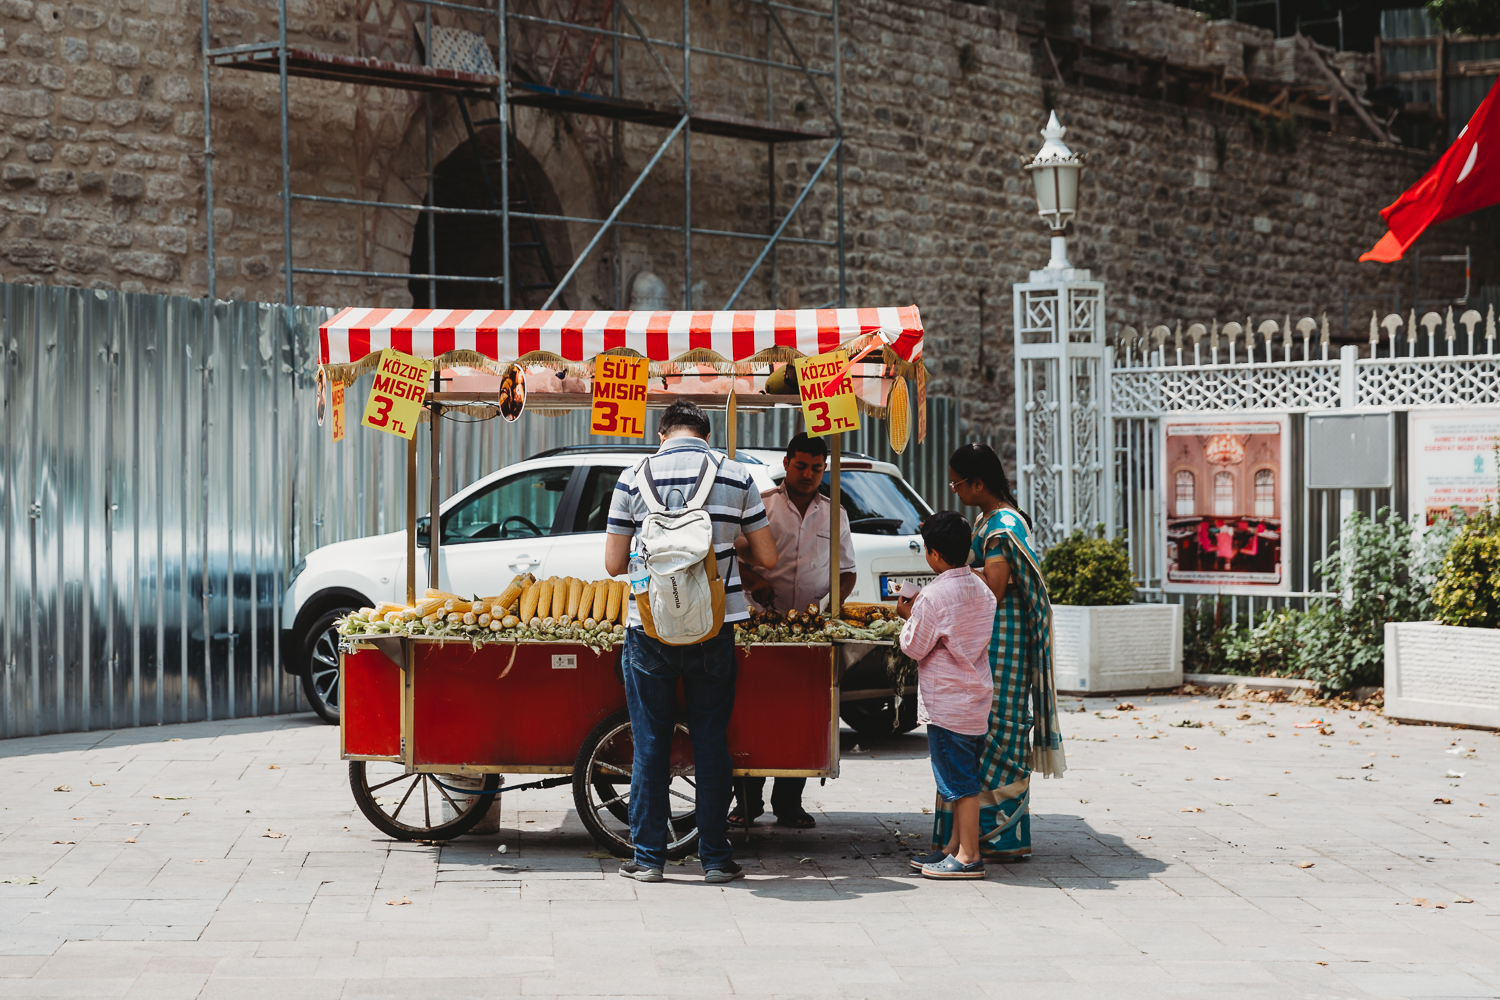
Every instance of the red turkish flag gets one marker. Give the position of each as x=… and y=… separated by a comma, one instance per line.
x=1466, y=179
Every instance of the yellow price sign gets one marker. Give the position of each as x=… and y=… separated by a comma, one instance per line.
x=338, y=411
x=827, y=394
x=619, y=396
x=396, y=397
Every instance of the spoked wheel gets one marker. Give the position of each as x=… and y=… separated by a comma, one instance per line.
x=410, y=806
x=601, y=788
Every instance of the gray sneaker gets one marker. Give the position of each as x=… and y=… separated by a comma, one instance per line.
x=727, y=872
x=641, y=873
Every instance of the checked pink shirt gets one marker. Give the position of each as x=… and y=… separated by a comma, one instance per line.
x=948, y=634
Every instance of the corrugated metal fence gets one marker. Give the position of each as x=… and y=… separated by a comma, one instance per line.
x=162, y=469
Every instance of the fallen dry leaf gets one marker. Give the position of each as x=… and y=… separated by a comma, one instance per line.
x=1192, y=809
x=1270, y=736
x=1442, y=801
x=1223, y=779
x=65, y=841
x=273, y=835
x=1143, y=836
x=1322, y=963
x=1186, y=747
x=129, y=840
x=98, y=784
x=172, y=798
x=1426, y=904
x=403, y=901
x=63, y=788
x=1243, y=716
x=78, y=817
x=1272, y=795
x=273, y=767
x=1125, y=706
x=1306, y=864
x=1462, y=899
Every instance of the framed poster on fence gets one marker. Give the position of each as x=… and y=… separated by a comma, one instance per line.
x=1226, y=494
x=1450, y=460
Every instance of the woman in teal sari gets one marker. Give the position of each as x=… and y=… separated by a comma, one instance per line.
x=1023, y=734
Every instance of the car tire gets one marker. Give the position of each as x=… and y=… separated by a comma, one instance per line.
x=877, y=716
x=320, y=664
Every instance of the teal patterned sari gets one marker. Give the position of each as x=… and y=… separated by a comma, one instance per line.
x=1024, y=735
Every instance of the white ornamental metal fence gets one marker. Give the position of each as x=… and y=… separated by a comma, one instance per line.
x=1066, y=406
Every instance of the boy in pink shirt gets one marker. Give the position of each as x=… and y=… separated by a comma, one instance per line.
x=947, y=631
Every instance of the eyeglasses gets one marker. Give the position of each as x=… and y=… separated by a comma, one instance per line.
x=955, y=484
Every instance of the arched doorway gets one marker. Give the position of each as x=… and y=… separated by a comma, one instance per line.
x=470, y=244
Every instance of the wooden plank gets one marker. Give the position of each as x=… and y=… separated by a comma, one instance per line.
x=1337, y=82
x=1051, y=59
x=1475, y=67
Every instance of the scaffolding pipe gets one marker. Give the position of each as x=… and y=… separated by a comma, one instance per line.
x=208, y=162
x=634, y=187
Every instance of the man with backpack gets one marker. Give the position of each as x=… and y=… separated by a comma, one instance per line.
x=683, y=509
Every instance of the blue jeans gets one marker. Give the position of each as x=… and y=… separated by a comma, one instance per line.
x=707, y=670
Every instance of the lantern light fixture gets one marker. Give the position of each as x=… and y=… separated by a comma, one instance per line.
x=1054, y=177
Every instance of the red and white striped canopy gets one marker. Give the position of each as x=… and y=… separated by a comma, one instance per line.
x=578, y=335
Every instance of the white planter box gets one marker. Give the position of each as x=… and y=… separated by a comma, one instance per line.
x=1130, y=647
x=1442, y=673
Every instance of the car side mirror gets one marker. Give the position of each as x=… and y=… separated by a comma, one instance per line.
x=422, y=531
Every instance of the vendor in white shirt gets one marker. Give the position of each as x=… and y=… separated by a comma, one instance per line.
x=799, y=517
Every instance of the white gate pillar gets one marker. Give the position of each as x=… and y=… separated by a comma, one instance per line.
x=1063, y=469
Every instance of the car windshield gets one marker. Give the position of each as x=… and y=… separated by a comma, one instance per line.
x=877, y=503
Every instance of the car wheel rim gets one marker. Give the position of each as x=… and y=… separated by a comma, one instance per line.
x=324, y=668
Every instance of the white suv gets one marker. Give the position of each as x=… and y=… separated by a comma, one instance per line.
x=546, y=516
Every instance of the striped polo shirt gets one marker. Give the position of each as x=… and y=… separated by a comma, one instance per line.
x=733, y=505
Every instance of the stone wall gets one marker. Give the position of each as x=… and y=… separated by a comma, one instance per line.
x=1185, y=212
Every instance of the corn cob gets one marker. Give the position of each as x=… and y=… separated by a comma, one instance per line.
x=429, y=606
x=601, y=598
x=432, y=592
x=529, y=597
x=511, y=594
x=575, y=597
x=386, y=607
x=544, y=600
x=611, y=603
x=586, y=600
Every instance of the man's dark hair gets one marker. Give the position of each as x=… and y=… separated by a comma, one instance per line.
x=804, y=445
x=683, y=414
x=947, y=534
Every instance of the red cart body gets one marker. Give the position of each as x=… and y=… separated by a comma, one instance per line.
x=453, y=712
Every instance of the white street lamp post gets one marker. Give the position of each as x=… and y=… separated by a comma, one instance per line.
x=1054, y=175
x=1061, y=367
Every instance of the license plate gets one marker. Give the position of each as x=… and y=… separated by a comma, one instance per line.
x=890, y=586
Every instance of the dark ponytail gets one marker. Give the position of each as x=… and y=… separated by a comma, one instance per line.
x=979, y=461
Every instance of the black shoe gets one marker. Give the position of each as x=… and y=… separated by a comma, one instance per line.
x=641, y=873
x=727, y=872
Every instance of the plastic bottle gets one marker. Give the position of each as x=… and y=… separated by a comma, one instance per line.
x=640, y=577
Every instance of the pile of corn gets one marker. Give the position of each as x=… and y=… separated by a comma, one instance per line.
x=559, y=609
x=864, y=622
x=566, y=609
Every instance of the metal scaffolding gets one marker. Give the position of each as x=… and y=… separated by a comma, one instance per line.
x=681, y=118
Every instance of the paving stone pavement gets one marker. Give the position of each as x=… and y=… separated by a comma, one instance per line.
x=1169, y=862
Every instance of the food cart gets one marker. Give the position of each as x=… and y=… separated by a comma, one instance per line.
x=429, y=724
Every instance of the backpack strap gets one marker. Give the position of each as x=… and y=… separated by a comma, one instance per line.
x=697, y=496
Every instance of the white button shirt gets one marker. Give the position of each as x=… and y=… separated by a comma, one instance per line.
x=801, y=574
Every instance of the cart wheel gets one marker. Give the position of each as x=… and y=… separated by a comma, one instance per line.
x=601, y=788
x=410, y=806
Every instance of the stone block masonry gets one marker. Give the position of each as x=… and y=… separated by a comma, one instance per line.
x=1185, y=212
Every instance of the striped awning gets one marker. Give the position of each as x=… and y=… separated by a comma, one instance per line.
x=578, y=335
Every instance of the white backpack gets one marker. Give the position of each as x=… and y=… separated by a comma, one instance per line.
x=684, y=601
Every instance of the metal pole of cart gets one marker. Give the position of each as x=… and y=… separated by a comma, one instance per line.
x=835, y=448
x=434, y=496
x=411, y=521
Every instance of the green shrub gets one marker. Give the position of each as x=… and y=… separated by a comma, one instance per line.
x=1089, y=570
x=1379, y=573
x=1467, y=590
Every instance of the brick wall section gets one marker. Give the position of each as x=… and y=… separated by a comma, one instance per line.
x=101, y=178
